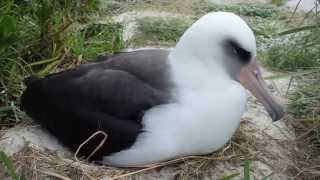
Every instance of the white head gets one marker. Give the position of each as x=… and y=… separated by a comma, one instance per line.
x=215, y=38
x=224, y=44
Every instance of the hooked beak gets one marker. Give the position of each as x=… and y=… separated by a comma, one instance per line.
x=251, y=79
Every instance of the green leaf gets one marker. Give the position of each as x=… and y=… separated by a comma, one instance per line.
x=295, y=30
x=231, y=176
x=49, y=68
x=8, y=31
x=8, y=24
x=43, y=61
x=5, y=108
x=246, y=169
x=292, y=74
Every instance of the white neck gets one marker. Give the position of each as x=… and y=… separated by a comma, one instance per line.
x=191, y=73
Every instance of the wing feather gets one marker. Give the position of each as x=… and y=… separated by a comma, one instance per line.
x=106, y=96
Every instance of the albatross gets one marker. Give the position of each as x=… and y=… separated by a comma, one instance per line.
x=155, y=104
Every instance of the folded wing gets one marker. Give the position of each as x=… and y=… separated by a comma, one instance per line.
x=111, y=95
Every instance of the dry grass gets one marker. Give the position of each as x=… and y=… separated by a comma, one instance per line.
x=32, y=163
x=305, y=120
x=179, y=6
x=246, y=145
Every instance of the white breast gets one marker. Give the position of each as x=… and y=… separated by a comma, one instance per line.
x=202, y=120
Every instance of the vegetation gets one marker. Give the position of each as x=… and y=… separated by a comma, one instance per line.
x=41, y=36
x=297, y=52
x=305, y=103
x=304, y=106
x=161, y=29
x=241, y=9
x=7, y=163
x=114, y=7
x=265, y=21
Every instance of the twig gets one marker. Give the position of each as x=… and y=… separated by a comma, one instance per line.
x=301, y=137
x=85, y=173
x=87, y=140
x=289, y=85
x=61, y=29
x=306, y=15
x=316, y=5
x=226, y=148
x=154, y=166
x=148, y=168
x=295, y=10
x=54, y=175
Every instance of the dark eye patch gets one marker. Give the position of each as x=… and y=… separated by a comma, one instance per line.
x=244, y=55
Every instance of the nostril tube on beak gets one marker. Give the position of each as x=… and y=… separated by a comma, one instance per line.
x=251, y=79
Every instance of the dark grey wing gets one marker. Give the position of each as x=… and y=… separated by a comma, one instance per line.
x=111, y=96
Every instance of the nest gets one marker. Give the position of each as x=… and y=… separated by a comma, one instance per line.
x=33, y=163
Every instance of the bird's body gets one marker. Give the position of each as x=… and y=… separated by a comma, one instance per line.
x=201, y=119
x=111, y=95
x=153, y=104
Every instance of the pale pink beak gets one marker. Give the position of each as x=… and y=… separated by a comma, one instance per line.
x=251, y=79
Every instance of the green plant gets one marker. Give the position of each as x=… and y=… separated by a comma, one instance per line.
x=299, y=52
x=163, y=28
x=96, y=39
x=304, y=105
x=241, y=9
x=7, y=164
x=246, y=169
x=39, y=36
x=305, y=101
x=8, y=30
x=231, y=176
x=278, y=2
x=264, y=27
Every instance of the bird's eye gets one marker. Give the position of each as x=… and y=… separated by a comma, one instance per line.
x=241, y=53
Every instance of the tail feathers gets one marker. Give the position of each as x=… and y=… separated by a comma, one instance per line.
x=30, y=99
x=28, y=81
